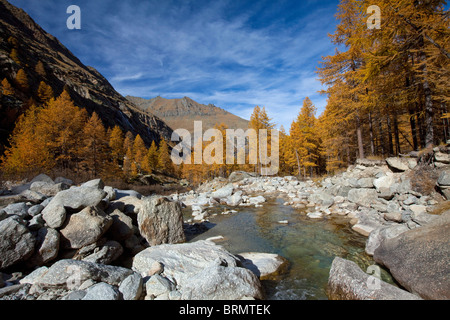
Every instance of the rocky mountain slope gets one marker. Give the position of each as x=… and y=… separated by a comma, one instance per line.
x=181, y=113
x=87, y=87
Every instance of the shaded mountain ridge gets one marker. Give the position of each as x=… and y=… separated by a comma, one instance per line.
x=87, y=87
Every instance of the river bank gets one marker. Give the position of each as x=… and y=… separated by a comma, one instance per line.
x=394, y=203
x=91, y=241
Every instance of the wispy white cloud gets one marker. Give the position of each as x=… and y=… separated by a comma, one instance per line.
x=233, y=54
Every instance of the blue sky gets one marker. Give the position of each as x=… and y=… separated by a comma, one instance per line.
x=234, y=54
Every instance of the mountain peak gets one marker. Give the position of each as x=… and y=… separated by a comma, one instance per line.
x=181, y=113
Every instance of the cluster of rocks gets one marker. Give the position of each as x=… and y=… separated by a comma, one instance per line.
x=217, y=191
x=91, y=242
x=409, y=241
x=378, y=199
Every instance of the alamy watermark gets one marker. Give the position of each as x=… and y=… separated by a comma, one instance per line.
x=374, y=21
x=374, y=281
x=74, y=20
x=239, y=145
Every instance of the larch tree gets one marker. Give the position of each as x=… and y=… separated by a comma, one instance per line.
x=27, y=153
x=127, y=164
x=15, y=55
x=40, y=69
x=44, y=92
x=7, y=89
x=152, y=156
x=165, y=163
x=95, y=147
x=128, y=142
x=60, y=124
x=260, y=120
x=140, y=155
x=22, y=80
x=116, y=141
x=304, y=142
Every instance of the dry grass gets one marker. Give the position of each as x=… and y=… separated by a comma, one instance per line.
x=441, y=208
x=378, y=158
x=423, y=179
x=115, y=182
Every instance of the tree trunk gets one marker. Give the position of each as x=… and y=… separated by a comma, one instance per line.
x=372, y=142
x=445, y=122
x=298, y=162
x=421, y=131
x=412, y=123
x=360, y=140
x=429, y=132
x=396, y=135
x=391, y=146
x=429, y=112
x=380, y=125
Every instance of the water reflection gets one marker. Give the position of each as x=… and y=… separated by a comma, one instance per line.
x=309, y=245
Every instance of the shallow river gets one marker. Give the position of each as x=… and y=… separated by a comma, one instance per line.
x=309, y=245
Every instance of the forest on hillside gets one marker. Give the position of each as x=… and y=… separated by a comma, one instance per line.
x=387, y=91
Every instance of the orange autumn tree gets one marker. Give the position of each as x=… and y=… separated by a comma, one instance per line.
x=116, y=140
x=46, y=138
x=6, y=87
x=140, y=155
x=22, y=80
x=44, y=92
x=95, y=153
x=165, y=163
x=60, y=124
x=152, y=156
x=28, y=153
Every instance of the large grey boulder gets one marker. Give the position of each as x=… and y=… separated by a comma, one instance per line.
x=129, y=205
x=158, y=285
x=85, y=227
x=131, y=287
x=201, y=270
x=443, y=183
x=419, y=258
x=377, y=236
x=218, y=282
x=106, y=254
x=161, y=221
x=384, y=183
x=122, y=226
x=48, y=189
x=322, y=197
x=256, y=200
x=70, y=274
x=363, y=197
x=264, y=265
x=42, y=178
x=16, y=242
x=102, y=291
x=181, y=261
x=348, y=282
x=400, y=164
x=234, y=199
x=96, y=183
x=19, y=209
x=75, y=198
x=444, y=179
x=47, y=246
x=442, y=157
x=223, y=192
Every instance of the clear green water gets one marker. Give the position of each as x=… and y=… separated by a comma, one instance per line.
x=309, y=245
